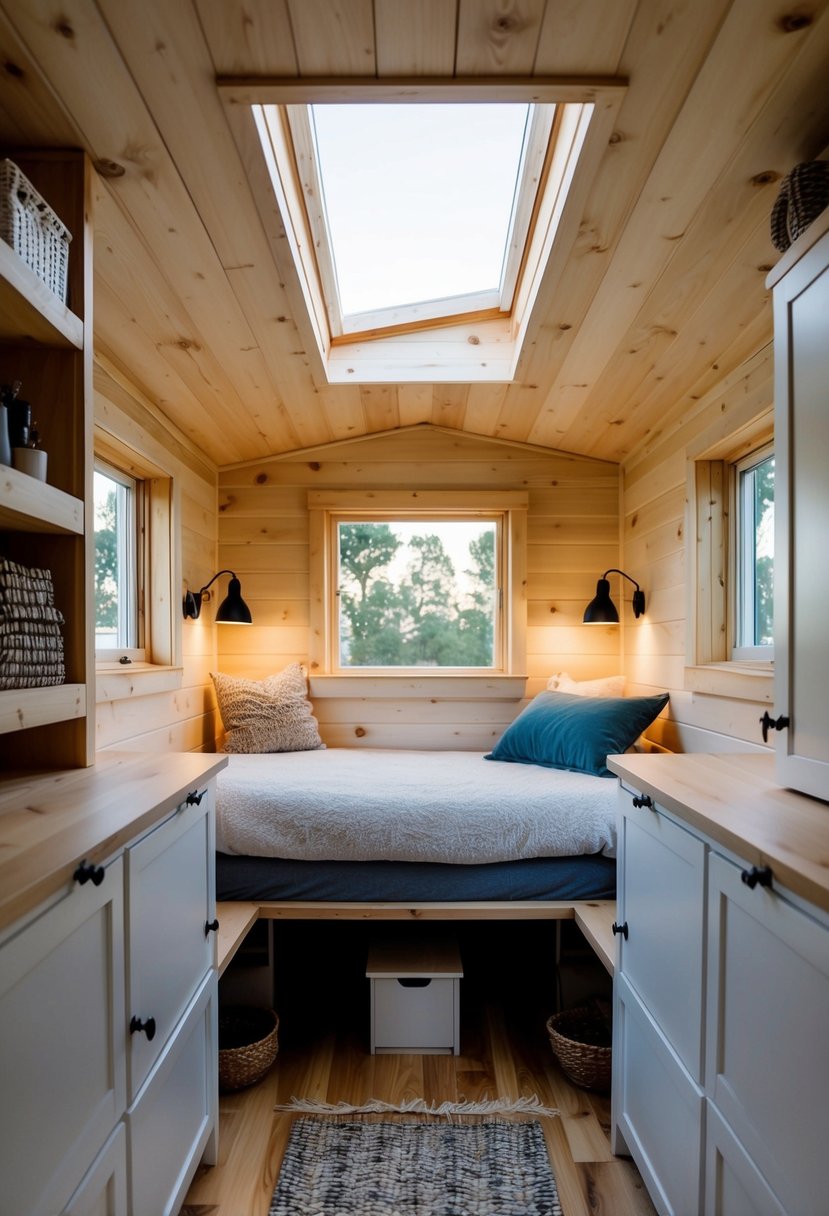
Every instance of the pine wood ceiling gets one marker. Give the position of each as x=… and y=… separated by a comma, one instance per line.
x=662, y=296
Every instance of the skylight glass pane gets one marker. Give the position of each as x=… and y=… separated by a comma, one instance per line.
x=418, y=198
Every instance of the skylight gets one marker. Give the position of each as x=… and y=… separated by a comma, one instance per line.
x=418, y=200
x=420, y=228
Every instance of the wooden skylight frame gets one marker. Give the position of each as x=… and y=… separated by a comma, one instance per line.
x=477, y=345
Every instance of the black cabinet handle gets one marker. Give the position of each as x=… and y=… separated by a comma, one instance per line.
x=211, y=926
x=87, y=872
x=194, y=799
x=148, y=1027
x=757, y=876
x=643, y=800
x=768, y=723
x=623, y=929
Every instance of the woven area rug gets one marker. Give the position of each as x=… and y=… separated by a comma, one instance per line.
x=336, y=1167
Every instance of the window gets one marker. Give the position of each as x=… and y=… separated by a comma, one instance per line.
x=754, y=556
x=510, y=169
x=418, y=593
x=430, y=588
x=119, y=531
x=451, y=190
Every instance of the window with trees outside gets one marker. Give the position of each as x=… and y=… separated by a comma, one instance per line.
x=118, y=503
x=420, y=589
x=754, y=556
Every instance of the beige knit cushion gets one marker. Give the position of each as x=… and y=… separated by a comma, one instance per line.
x=272, y=715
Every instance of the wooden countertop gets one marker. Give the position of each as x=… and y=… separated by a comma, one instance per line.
x=734, y=800
x=51, y=821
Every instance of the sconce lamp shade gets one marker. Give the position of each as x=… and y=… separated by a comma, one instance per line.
x=232, y=611
x=602, y=611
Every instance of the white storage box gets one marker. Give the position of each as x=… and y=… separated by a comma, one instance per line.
x=415, y=997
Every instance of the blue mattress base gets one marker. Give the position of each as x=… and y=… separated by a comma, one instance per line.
x=591, y=876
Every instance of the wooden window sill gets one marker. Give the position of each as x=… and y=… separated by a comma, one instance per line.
x=748, y=681
x=117, y=682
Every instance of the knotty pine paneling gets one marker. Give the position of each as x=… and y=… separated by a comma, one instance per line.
x=573, y=526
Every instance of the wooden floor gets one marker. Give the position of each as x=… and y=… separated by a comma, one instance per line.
x=507, y=993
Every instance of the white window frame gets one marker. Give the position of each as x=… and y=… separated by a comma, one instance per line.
x=328, y=508
x=131, y=532
x=535, y=149
x=742, y=568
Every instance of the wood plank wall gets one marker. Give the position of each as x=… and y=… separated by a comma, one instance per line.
x=181, y=716
x=657, y=554
x=573, y=536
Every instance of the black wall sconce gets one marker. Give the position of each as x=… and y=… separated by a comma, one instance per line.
x=602, y=611
x=232, y=611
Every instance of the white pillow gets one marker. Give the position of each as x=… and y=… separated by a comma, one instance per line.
x=608, y=686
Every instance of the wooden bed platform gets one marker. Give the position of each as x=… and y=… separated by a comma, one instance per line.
x=593, y=917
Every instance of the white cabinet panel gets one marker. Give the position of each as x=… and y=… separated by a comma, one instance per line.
x=657, y=1108
x=768, y=1055
x=734, y=1185
x=62, y=1069
x=661, y=900
x=172, y=1121
x=169, y=880
x=414, y=1015
x=103, y=1191
x=801, y=585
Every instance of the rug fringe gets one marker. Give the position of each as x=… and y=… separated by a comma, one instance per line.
x=418, y=1106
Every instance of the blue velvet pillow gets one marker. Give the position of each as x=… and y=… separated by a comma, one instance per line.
x=560, y=730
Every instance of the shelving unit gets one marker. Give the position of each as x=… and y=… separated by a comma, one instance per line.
x=47, y=344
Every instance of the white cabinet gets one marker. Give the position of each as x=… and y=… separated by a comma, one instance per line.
x=767, y=1065
x=801, y=437
x=99, y=1117
x=62, y=1044
x=721, y=1025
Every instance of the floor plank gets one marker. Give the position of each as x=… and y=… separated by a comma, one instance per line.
x=324, y=1054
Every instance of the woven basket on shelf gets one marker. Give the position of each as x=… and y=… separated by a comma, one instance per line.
x=580, y=1039
x=30, y=226
x=248, y=1045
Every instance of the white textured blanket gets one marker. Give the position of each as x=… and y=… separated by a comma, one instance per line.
x=342, y=804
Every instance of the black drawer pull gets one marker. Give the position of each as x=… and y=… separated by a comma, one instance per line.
x=148, y=1027
x=194, y=799
x=623, y=929
x=757, y=876
x=415, y=981
x=768, y=723
x=643, y=800
x=87, y=872
x=211, y=926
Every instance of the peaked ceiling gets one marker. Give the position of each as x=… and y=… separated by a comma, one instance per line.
x=661, y=296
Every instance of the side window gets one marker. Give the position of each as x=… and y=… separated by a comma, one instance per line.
x=754, y=556
x=119, y=563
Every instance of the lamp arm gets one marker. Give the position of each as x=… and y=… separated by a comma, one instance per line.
x=212, y=581
x=613, y=570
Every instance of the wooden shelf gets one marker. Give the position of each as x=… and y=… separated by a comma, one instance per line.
x=29, y=310
x=29, y=505
x=24, y=707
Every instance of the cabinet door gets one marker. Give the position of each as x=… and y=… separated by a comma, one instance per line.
x=733, y=1184
x=103, y=1191
x=170, y=901
x=767, y=1070
x=661, y=900
x=801, y=584
x=172, y=1121
x=62, y=1069
x=657, y=1108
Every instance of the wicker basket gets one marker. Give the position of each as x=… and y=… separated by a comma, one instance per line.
x=248, y=1045
x=30, y=226
x=580, y=1039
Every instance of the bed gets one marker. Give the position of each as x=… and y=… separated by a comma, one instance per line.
x=531, y=821
x=364, y=825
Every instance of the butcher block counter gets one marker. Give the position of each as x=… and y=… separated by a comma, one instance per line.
x=49, y=822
